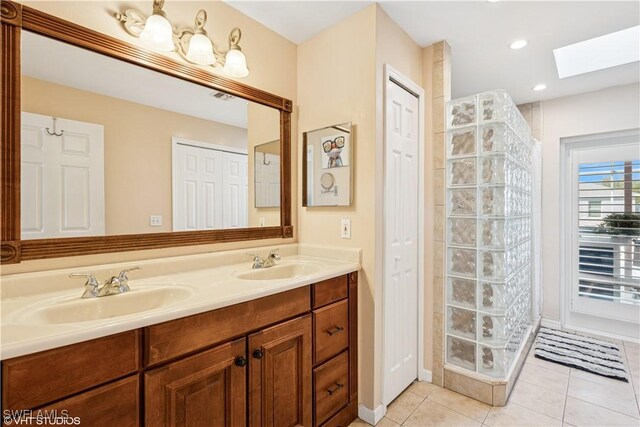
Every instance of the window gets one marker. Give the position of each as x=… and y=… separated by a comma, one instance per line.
x=594, y=208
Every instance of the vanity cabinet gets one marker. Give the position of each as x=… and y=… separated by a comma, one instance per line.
x=288, y=359
x=208, y=388
x=280, y=375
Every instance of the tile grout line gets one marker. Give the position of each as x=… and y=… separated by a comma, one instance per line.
x=566, y=397
x=421, y=402
x=458, y=412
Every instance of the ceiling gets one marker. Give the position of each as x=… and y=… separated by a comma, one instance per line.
x=46, y=59
x=479, y=33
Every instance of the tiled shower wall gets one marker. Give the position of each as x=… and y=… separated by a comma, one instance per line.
x=441, y=90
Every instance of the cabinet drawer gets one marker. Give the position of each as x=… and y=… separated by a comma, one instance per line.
x=169, y=340
x=330, y=290
x=37, y=379
x=331, y=330
x=331, y=387
x=114, y=404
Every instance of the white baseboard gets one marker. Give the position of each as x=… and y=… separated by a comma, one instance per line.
x=373, y=417
x=425, y=375
x=553, y=324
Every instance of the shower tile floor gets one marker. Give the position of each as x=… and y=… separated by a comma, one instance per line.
x=546, y=394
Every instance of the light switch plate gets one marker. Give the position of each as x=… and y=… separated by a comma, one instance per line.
x=345, y=229
x=155, y=220
x=263, y=222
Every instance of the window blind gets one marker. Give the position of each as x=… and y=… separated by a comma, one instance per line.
x=609, y=231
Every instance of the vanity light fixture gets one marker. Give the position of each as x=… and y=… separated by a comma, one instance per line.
x=540, y=86
x=518, y=44
x=193, y=44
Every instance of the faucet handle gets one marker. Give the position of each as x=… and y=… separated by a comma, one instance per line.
x=255, y=257
x=273, y=253
x=91, y=279
x=90, y=286
x=122, y=276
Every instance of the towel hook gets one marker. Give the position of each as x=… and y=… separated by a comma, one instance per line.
x=264, y=160
x=55, y=132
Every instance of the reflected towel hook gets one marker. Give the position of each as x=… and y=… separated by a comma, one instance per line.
x=264, y=160
x=54, y=133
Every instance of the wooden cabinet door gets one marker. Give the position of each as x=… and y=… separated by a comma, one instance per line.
x=280, y=375
x=207, y=389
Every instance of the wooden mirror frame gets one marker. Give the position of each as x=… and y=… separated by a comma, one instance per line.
x=16, y=17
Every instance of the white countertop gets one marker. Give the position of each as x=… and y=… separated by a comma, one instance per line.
x=206, y=289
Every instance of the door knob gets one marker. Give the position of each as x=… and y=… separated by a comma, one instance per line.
x=257, y=353
x=240, y=361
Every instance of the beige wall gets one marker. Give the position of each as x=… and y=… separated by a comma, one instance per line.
x=607, y=110
x=353, y=91
x=137, y=149
x=336, y=94
x=273, y=69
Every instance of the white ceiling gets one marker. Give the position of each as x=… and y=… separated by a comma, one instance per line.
x=46, y=59
x=479, y=33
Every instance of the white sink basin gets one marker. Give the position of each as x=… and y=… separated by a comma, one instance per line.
x=76, y=309
x=279, y=272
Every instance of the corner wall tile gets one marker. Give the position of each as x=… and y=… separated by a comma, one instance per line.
x=438, y=295
x=438, y=224
x=439, y=51
x=438, y=151
x=438, y=330
x=438, y=187
x=468, y=386
x=438, y=259
x=438, y=79
x=438, y=114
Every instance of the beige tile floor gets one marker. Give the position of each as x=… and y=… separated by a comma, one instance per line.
x=546, y=394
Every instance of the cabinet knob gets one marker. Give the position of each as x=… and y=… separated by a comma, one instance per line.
x=257, y=353
x=240, y=361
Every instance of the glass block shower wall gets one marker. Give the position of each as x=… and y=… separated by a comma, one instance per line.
x=488, y=284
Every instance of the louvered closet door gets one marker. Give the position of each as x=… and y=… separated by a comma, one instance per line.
x=605, y=231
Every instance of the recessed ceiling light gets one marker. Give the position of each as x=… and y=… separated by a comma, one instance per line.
x=493, y=1
x=518, y=44
x=540, y=86
x=610, y=50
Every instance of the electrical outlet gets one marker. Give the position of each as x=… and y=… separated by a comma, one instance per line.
x=263, y=222
x=345, y=229
x=155, y=220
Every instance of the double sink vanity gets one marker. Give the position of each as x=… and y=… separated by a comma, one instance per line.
x=202, y=337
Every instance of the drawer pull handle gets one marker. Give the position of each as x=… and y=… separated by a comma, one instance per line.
x=334, y=330
x=334, y=389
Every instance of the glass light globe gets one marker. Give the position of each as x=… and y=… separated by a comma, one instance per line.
x=235, y=64
x=200, y=50
x=158, y=33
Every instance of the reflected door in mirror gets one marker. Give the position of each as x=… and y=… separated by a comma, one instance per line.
x=210, y=187
x=62, y=168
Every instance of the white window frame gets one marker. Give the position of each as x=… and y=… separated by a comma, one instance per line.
x=571, y=319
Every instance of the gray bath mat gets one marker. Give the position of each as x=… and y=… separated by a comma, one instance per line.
x=580, y=352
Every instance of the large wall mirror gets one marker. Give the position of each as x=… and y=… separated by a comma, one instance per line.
x=118, y=156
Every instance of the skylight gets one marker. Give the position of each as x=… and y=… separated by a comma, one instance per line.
x=610, y=50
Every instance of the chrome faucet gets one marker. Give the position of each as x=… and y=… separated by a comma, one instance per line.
x=115, y=285
x=267, y=262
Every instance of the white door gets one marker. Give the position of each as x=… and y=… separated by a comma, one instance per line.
x=197, y=189
x=401, y=241
x=267, y=179
x=235, y=190
x=62, y=178
x=604, y=251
